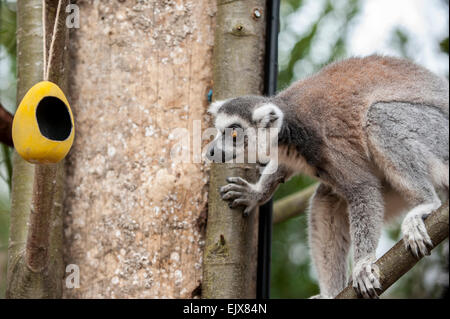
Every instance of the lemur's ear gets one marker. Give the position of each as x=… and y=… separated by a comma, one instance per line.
x=215, y=106
x=268, y=115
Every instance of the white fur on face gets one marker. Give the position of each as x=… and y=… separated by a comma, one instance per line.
x=215, y=106
x=224, y=120
x=266, y=114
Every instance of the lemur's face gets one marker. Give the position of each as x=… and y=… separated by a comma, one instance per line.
x=247, y=128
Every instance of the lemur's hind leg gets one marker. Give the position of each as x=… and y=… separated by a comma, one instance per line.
x=409, y=143
x=329, y=240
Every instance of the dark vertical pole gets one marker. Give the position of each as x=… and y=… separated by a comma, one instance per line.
x=265, y=211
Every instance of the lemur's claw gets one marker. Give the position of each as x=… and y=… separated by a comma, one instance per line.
x=415, y=236
x=240, y=193
x=366, y=279
x=237, y=180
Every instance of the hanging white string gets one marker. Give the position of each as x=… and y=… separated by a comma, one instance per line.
x=44, y=24
x=47, y=64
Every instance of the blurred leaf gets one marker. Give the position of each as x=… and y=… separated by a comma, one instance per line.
x=444, y=45
x=295, y=4
x=300, y=50
x=293, y=185
x=8, y=31
x=400, y=41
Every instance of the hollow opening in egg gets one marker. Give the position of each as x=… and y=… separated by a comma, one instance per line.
x=53, y=119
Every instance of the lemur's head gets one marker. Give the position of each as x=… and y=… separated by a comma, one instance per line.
x=245, y=123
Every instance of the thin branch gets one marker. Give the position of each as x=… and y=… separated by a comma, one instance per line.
x=37, y=257
x=7, y=161
x=292, y=205
x=35, y=263
x=6, y=120
x=398, y=260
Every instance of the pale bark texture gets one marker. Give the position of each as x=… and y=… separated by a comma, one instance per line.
x=134, y=217
x=35, y=268
x=398, y=260
x=230, y=256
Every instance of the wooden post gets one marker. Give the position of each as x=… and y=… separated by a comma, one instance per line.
x=230, y=254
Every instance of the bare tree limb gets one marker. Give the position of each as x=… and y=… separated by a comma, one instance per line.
x=292, y=205
x=35, y=265
x=6, y=119
x=398, y=260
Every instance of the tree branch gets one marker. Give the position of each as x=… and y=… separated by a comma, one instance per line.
x=292, y=205
x=398, y=260
x=35, y=264
x=6, y=119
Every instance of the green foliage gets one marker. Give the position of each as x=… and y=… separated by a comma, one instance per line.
x=302, y=49
x=291, y=268
x=7, y=98
x=4, y=233
x=444, y=45
x=400, y=41
x=8, y=31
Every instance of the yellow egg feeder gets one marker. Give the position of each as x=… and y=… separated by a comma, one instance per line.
x=43, y=128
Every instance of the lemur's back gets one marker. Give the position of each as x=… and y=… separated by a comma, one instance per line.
x=336, y=100
x=368, y=80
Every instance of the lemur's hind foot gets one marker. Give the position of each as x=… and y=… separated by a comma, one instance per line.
x=415, y=235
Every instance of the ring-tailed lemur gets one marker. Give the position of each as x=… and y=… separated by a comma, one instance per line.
x=375, y=132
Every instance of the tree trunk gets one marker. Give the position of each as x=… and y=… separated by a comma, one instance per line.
x=134, y=217
x=35, y=244
x=230, y=257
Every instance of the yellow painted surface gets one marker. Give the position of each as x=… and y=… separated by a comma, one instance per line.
x=28, y=140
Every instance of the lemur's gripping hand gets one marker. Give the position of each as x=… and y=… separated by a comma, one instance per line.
x=415, y=235
x=239, y=192
x=366, y=278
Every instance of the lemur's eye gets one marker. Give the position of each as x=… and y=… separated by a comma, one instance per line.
x=234, y=134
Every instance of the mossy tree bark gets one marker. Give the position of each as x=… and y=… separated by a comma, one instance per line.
x=398, y=260
x=230, y=254
x=35, y=268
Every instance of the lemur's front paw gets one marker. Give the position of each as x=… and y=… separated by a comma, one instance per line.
x=415, y=236
x=366, y=278
x=239, y=192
